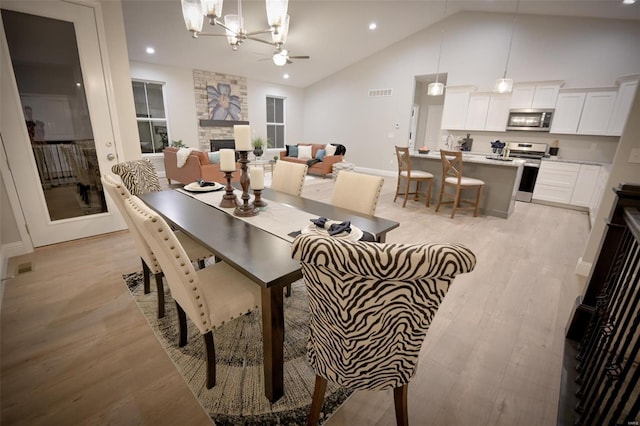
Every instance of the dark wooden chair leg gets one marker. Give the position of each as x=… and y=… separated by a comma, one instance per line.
x=400, y=401
x=146, y=277
x=182, y=326
x=160, y=290
x=318, y=399
x=287, y=290
x=211, y=359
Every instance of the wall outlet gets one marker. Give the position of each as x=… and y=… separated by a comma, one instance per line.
x=635, y=156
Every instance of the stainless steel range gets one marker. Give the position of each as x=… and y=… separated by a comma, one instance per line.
x=532, y=153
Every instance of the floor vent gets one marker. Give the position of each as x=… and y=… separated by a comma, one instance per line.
x=378, y=93
x=23, y=268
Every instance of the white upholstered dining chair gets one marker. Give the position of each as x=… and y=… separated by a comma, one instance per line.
x=357, y=191
x=210, y=297
x=195, y=251
x=288, y=177
x=370, y=307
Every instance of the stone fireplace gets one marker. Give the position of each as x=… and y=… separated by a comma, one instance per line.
x=224, y=95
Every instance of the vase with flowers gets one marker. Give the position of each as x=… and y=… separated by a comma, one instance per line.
x=497, y=147
x=257, y=143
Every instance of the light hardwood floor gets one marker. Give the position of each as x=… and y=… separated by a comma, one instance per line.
x=76, y=349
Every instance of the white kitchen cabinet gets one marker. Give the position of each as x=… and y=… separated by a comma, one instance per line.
x=586, y=182
x=567, y=114
x=498, y=113
x=454, y=111
x=621, y=107
x=535, y=95
x=556, y=181
x=545, y=96
x=477, y=111
x=596, y=112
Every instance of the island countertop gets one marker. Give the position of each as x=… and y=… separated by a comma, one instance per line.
x=501, y=179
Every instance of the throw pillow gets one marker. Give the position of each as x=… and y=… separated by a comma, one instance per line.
x=330, y=149
x=320, y=154
x=292, y=151
x=304, y=152
x=214, y=157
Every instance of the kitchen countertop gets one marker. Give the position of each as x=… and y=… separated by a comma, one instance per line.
x=564, y=160
x=473, y=157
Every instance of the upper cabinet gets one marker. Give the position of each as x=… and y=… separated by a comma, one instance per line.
x=498, y=113
x=596, y=112
x=488, y=111
x=622, y=106
x=477, y=111
x=535, y=95
x=454, y=111
x=567, y=114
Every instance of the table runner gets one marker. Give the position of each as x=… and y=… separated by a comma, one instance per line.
x=276, y=218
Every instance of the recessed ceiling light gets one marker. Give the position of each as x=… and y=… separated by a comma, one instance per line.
x=78, y=84
x=373, y=26
x=151, y=50
x=285, y=76
x=628, y=1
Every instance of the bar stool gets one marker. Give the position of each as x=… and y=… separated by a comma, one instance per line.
x=417, y=176
x=452, y=176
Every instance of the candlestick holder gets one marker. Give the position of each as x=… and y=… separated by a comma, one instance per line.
x=228, y=199
x=245, y=209
x=257, y=201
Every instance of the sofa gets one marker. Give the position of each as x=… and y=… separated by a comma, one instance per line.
x=321, y=167
x=196, y=167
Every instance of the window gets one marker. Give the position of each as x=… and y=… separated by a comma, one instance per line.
x=275, y=122
x=152, y=121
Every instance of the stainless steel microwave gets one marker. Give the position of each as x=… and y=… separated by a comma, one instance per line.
x=531, y=120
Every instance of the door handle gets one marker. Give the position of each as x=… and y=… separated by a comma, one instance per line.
x=111, y=157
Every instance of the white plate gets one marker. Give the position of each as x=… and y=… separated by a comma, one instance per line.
x=195, y=187
x=354, y=235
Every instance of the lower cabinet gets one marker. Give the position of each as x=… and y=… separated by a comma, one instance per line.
x=579, y=185
x=556, y=181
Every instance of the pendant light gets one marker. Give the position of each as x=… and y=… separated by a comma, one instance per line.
x=504, y=84
x=437, y=88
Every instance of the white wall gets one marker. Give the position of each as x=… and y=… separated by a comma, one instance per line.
x=180, y=98
x=582, y=52
x=181, y=105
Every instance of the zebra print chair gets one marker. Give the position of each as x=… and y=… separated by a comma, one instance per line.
x=370, y=307
x=139, y=176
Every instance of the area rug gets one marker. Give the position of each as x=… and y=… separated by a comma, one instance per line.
x=238, y=397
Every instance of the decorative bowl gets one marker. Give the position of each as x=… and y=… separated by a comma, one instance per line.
x=423, y=151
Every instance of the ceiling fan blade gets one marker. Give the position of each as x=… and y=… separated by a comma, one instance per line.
x=300, y=57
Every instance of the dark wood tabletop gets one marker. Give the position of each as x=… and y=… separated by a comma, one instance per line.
x=263, y=257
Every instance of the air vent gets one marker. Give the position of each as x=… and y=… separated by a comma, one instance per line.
x=378, y=93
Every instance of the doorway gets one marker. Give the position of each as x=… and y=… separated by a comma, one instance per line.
x=429, y=118
x=53, y=88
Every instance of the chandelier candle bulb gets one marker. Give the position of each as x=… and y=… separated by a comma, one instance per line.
x=256, y=174
x=242, y=135
x=227, y=160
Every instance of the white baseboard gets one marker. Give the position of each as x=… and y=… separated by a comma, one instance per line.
x=583, y=268
x=377, y=171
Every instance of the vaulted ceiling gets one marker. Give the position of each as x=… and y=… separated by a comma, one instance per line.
x=334, y=33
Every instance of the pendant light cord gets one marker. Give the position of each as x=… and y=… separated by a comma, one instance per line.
x=444, y=16
x=513, y=27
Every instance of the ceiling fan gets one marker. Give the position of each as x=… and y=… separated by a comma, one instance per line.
x=281, y=57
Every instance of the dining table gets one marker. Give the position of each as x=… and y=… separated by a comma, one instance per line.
x=261, y=255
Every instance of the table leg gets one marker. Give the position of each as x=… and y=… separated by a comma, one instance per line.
x=273, y=341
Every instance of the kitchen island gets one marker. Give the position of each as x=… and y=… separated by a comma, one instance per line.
x=501, y=179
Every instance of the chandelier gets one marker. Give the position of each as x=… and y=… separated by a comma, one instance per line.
x=194, y=12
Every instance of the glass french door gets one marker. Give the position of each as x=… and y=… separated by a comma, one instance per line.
x=53, y=89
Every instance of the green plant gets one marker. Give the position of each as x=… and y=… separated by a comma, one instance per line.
x=276, y=158
x=257, y=142
x=178, y=144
